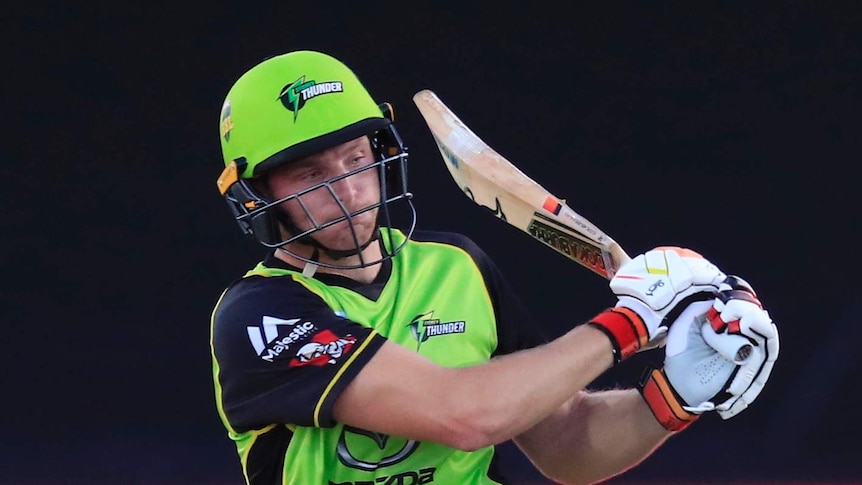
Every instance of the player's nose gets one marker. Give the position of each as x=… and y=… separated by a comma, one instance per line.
x=347, y=189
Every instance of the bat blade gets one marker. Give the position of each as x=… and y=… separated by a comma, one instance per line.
x=493, y=182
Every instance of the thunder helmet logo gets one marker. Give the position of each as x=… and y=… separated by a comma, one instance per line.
x=296, y=94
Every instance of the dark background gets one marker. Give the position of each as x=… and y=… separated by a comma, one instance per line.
x=732, y=130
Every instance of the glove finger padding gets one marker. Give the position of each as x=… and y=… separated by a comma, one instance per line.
x=737, y=313
x=752, y=375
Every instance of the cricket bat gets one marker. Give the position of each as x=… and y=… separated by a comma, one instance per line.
x=493, y=182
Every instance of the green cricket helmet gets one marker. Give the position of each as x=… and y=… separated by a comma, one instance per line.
x=289, y=107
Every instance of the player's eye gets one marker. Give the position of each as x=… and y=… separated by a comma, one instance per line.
x=311, y=174
x=363, y=158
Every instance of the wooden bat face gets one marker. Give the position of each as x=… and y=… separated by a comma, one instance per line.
x=491, y=181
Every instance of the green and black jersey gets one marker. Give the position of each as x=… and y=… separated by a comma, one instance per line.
x=285, y=346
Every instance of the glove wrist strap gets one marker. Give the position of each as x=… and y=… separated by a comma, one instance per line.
x=625, y=329
x=663, y=401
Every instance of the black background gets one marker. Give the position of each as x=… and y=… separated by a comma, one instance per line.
x=732, y=130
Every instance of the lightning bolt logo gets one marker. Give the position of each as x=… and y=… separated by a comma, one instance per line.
x=417, y=330
x=290, y=95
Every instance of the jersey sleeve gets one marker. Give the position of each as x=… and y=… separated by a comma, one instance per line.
x=281, y=355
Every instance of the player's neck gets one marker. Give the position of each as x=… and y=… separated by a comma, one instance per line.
x=363, y=275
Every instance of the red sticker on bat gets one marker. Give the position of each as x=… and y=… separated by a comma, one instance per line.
x=552, y=205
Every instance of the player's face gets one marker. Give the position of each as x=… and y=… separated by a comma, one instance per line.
x=354, y=192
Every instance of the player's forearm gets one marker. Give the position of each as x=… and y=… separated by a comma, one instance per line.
x=594, y=437
x=476, y=406
x=510, y=394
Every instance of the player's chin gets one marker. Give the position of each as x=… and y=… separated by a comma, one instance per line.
x=340, y=236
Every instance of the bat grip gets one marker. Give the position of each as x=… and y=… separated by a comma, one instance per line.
x=735, y=348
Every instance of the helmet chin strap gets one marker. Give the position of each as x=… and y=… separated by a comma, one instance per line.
x=310, y=268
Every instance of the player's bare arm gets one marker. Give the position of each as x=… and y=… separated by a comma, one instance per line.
x=593, y=436
x=476, y=406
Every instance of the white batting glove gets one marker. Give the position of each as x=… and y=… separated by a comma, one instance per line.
x=738, y=314
x=650, y=289
x=718, y=356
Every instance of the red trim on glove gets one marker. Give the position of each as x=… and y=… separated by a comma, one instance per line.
x=720, y=325
x=738, y=292
x=715, y=320
x=664, y=403
x=625, y=329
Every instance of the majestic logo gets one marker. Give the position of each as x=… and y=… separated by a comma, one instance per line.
x=296, y=94
x=226, y=124
x=424, y=327
x=266, y=339
x=325, y=348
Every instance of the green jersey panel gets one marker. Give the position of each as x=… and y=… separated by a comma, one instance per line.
x=442, y=299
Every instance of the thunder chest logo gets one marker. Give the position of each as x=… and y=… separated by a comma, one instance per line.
x=425, y=326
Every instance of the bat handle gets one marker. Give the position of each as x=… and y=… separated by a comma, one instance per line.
x=614, y=257
x=735, y=348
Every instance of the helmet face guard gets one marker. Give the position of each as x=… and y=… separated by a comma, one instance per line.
x=262, y=218
x=292, y=106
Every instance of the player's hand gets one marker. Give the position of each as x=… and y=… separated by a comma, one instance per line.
x=718, y=357
x=694, y=373
x=652, y=289
x=737, y=315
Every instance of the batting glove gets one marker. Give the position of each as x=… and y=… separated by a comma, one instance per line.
x=652, y=289
x=718, y=357
x=737, y=315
